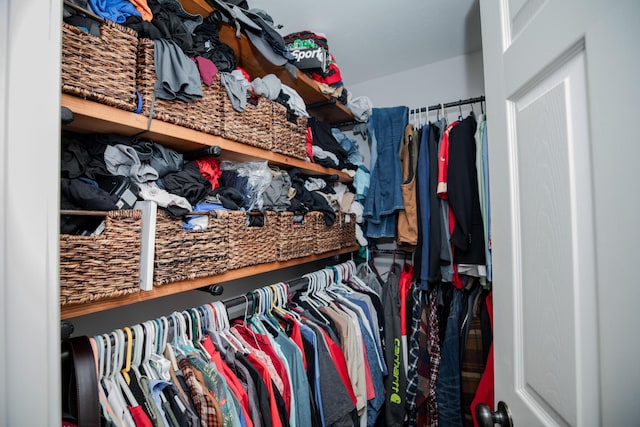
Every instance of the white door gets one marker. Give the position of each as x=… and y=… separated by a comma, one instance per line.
x=562, y=82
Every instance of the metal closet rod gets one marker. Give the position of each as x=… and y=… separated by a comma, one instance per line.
x=294, y=286
x=390, y=251
x=448, y=105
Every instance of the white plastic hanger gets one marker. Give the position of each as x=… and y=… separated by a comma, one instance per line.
x=224, y=328
x=138, y=347
x=120, y=366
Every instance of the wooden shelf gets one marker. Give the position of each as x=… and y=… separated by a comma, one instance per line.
x=326, y=108
x=91, y=116
x=74, y=310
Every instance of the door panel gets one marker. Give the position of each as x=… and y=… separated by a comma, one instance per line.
x=562, y=89
x=548, y=189
x=521, y=13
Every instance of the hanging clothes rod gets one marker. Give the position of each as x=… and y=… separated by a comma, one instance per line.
x=390, y=252
x=448, y=105
x=294, y=286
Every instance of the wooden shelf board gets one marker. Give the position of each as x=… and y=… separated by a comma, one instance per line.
x=91, y=116
x=74, y=310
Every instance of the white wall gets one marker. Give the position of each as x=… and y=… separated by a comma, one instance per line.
x=445, y=81
x=460, y=77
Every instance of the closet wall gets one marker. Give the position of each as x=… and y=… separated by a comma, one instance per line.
x=456, y=78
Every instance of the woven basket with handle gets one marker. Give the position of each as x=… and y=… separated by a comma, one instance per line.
x=289, y=133
x=182, y=254
x=250, y=245
x=327, y=236
x=108, y=265
x=101, y=69
x=296, y=236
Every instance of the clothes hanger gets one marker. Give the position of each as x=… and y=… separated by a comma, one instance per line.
x=128, y=354
x=198, y=328
x=268, y=319
x=138, y=347
x=149, y=345
x=161, y=364
x=105, y=379
x=213, y=329
x=100, y=350
x=257, y=322
x=460, y=110
x=122, y=364
x=112, y=384
x=287, y=305
x=224, y=327
x=258, y=307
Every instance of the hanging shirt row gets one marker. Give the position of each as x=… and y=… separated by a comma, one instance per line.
x=316, y=358
x=430, y=192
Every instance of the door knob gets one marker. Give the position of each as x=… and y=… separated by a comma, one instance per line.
x=488, y=418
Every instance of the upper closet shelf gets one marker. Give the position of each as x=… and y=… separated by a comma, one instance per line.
x=91, y=116
x=319, y=105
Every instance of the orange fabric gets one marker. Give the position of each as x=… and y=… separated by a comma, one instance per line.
x=143, y=8
x=408, y=216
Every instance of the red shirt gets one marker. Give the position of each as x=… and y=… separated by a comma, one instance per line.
x=296, y=337
x=266, y=377
x=341, y=364
x=265, y=345
x=232, y=380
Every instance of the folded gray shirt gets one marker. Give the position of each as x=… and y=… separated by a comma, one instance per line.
x=177, y=76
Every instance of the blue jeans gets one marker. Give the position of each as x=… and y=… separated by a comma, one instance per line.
x=387, y=126
x=448, y=387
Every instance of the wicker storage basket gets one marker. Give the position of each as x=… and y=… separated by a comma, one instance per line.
x=182, y=255
x=254, y=126
x=347, y=230
x=102, y=69
x=204, y=114
x=327, y=238
x=289, y=138
x=250, y=245
x=104, y=266
x=296, y=239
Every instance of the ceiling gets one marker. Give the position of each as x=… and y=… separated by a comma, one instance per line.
x=370, y=39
